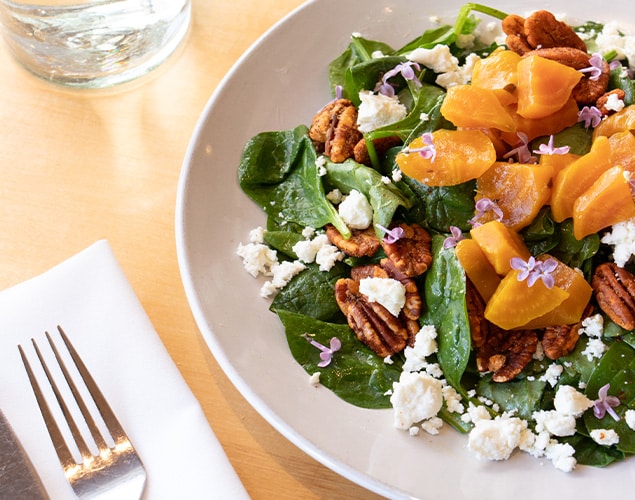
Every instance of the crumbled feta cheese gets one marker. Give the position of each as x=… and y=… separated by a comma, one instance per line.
x=539, y=353
x=318, y=250
x=377, y=54
x=308, y=232
x=335, y=196
x=488, y=33
x=614, y=103
x=612, y=38
x=568, y=401
x=282, y=272
x=388, y=292
x=594, y=349
x=629, y=418
x=416, y=397
x=605, y=437
x=432, y=425
x=397, y=175
x=314, y=379
x=434, y=370
x=622, y=238
x=554, y=422
x=257, y=235
x=425, y=345
x=475, y=413
x=561, y=455
x=452, y=399
x=327, y=256
x=552, y=374
x=439, y=58
x=378, y=110
x=593, y=326
x=388, y=360
x=413, y=431
x=356, y=211
x=257, y=258
x=496, y=439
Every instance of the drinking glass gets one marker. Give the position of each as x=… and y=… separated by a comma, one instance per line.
x=93, y=43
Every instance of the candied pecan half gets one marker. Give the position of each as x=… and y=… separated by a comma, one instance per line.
x=614, y=289
x=383, y=144
x=414, y=305
x=517, y=347
x=540, y=30
x=479, y=326
x=558, y=341
x=603, y=101
x=587, y=91
x=362, y=243
x=372, y=323
x=334, y=130
x=411, y=254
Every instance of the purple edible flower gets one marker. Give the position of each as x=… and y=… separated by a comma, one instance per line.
x=591, y=116
x=407, y=72
x=596, y=68
x=605, y=404
x=429, y=152
x=548, y=149
x=327, y=352
x=522, y=150
x=483, y=206
x=532, y=270
x=392, y=235
x=451, y=241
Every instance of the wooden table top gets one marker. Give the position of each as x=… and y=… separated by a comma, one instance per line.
x=80, y=166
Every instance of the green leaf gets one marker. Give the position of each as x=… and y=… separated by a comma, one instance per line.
x=356, y=374
x=278, y=171
x=384, y=198
x=447, y=311
x=617, y=368
x=521, y=394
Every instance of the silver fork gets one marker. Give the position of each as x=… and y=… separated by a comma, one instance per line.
x=116, y=471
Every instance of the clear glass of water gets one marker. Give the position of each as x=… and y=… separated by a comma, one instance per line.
x=93, y=43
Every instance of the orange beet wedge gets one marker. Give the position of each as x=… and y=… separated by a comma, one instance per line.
x=477, y=268
x=469, y=106
x=544, y=86
x=499, y=244
x=514, y=303
x=461, y=155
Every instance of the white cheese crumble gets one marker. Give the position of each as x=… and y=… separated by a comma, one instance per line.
x=622, y=238
x=612, y=38
x=432, y=425
x=614, y=103
x=257, y=258
x=629, y=418
x=335, y=196
x=594, y=349
x=569, y=401
x=554, y=422
x=552, y=374
x=496, y=439
x=356, y=211
x=605, y=437
x=314, y=379
x=425, y=345
x=388, y=292
x=318, y=250
x=440, y=60
x=593, y=326
x=378, y=110
x=282, y=273
x=416, y=397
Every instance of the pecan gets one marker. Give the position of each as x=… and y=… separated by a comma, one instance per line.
x=558, y=341
x=414, y=305
x=372, y=323
x=334, y=130
x=381, y=145
x=511, y=351
x=614, y=289
x=479, y=326
x=362, y=243
x=603, y=101
x=587, y=91
x=540, y=30
x=411, y=254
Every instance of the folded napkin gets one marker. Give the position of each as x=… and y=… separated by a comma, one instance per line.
x=90, y=297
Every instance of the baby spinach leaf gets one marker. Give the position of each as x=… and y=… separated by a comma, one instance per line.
x=446, y=310
x=356, y=374
x=522, y=394
x=278, y=171
x=384, y=198
x=588, y=452
x=311, y=293
x=617, y=368
x=365, y=75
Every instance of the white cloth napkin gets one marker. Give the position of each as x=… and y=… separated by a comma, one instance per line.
x=90, y=297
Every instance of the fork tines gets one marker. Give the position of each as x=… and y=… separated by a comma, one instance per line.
x=114, y=463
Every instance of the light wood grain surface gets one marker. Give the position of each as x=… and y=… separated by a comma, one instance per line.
x=79, y=166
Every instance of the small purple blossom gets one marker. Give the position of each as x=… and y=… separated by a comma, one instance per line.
x=605, y=404
x=521, y=149
x=407, y=71
x=392, y=235
x=451, y=241
x=631, y=183
x=613, y=65
x=597, y=66
x=591, y=116
x=532, y=270
x=484, y=206
x=548, y=149
x=327, y=352
x=429, y=151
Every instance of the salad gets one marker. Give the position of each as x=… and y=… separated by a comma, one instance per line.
x=451, y=235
